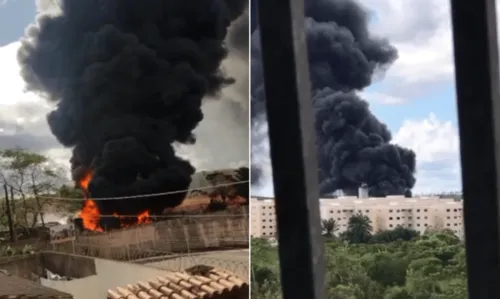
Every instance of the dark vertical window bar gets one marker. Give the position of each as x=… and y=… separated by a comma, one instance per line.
x=293, y=150
x=477, y=84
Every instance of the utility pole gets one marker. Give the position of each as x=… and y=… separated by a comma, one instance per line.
x=9, y=215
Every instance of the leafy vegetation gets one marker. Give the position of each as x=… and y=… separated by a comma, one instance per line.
x=392, y=264
x=32, y=181
x=7, y=251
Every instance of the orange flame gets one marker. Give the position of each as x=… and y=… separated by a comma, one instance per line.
x=126, y=221
x=143, y=217
x=90, y=213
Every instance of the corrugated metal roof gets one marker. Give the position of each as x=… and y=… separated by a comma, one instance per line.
x=213, y=284
x=12, y=287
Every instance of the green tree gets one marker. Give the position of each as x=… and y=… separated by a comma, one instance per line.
x=431, y=266
x=399, y=233
x=330, y=227
x=359, y=229
x=29, y=175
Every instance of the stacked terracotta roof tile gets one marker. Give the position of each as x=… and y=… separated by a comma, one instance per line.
x=215, y=284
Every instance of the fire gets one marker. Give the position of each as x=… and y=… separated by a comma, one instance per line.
x=91, y=215
x=126, y=221
x=143, y=217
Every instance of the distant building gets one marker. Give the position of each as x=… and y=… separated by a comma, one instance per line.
x=420, y=214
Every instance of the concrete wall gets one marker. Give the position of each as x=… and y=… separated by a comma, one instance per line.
x=109, y=274
x=22, y=266
x=67, y=265
x=179, y=235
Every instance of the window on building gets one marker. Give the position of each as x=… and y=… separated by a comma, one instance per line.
x=397, y=218
x=390, y=218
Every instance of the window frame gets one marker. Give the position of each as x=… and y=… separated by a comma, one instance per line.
x=293, y=155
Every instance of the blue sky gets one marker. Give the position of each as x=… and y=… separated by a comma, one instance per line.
x=14, y=17
x=415, y=98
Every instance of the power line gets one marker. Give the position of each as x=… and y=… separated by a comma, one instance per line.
x=176, y=216
x=148, y=195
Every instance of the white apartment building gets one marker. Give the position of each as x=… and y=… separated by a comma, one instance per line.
x=420, y=214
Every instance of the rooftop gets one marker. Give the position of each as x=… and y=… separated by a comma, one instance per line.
x=12, y=287
x=209, y=284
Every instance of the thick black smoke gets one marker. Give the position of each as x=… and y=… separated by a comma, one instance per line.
x=128, y=77
x=353, y=145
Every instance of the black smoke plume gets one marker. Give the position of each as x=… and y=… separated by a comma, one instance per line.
x=353, y=145
x=128, y=78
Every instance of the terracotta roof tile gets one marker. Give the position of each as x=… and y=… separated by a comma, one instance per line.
x=213, y=284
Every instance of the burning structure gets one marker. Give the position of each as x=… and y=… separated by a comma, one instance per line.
x=353, y=146
x=128, y=78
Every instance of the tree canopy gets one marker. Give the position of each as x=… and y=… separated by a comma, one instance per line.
x=395, y=264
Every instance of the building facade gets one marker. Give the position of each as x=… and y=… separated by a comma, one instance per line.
x=420, y=214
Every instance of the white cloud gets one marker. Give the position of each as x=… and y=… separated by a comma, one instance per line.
x=421, y=31
x=22, y=114
x=382, y=98
x=436, y=144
